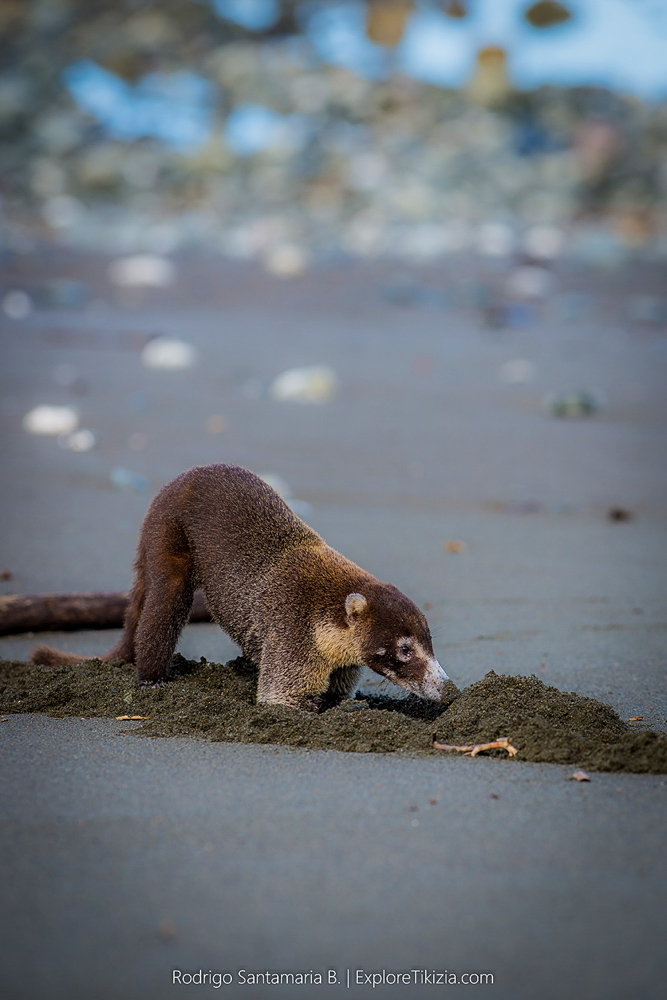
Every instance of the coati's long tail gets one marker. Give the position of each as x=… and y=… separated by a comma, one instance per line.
x=46, y=656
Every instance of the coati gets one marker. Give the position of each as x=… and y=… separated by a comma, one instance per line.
x=307, y=615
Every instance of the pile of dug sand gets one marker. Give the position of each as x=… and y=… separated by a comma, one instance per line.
x=218, y=702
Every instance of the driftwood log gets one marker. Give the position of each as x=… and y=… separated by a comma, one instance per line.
x=66, y=612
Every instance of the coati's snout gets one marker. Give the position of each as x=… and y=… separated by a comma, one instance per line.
x=394, y=640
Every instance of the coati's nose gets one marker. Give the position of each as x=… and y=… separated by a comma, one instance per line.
x=434, y=680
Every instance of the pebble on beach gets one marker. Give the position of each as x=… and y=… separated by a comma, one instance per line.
x=169, y=354
x=51, y=420
x=317, y=384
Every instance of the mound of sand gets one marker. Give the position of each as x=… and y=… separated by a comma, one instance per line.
x=217, y=702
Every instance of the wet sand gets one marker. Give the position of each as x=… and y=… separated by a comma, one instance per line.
x=126, y=857
x=218, y=702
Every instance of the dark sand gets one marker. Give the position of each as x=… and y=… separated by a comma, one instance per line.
x=295, y=858
x=218, y=702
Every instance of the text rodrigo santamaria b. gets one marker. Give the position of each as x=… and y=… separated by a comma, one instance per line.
x=332, y=977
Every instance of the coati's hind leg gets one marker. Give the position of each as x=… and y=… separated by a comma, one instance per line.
x=124, y=648
x=167, y=601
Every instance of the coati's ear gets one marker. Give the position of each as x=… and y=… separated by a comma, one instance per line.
x=355, y=604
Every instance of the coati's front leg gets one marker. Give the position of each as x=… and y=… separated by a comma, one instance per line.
x=342, y=683
x=282, y=681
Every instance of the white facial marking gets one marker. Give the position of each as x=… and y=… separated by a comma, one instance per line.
x=433, y=683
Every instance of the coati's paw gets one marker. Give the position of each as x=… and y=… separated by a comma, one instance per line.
x=304, y=703
x=316, y=704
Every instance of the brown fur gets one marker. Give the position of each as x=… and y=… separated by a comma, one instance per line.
x=307, y=615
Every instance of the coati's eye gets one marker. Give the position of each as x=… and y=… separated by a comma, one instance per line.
x=405, y=651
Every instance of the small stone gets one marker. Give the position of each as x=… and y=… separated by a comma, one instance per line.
x=286, y=261
x=51, y=420
x=169, y=354
x=305, y=385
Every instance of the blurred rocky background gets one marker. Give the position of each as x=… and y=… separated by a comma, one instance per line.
x=299, y=132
